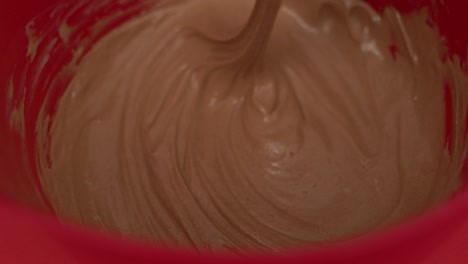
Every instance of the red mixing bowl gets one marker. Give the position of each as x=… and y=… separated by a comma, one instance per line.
x=29, y=232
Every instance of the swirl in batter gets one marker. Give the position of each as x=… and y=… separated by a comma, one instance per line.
x=301, y=131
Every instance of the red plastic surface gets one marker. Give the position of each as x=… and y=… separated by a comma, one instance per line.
x=32, y=236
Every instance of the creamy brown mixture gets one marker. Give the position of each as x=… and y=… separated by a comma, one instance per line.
x=190, y=127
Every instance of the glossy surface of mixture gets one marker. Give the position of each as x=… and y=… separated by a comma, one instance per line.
x=334, y=125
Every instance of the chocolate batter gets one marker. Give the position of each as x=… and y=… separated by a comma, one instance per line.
x=319, y=121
